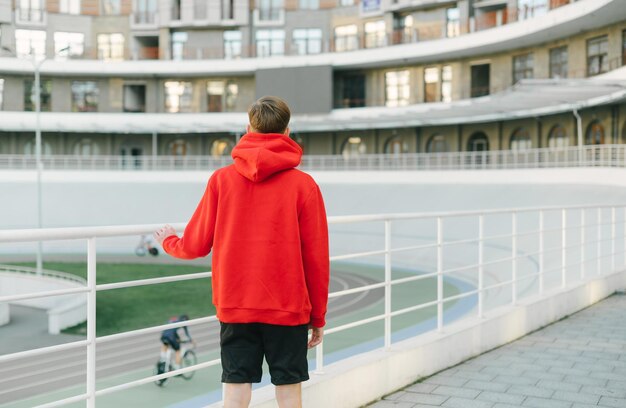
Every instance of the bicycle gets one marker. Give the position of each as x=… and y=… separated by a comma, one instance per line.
x=164, y=366
x=145, y=246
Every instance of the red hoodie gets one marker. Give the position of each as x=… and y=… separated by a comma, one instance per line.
x=266, y=223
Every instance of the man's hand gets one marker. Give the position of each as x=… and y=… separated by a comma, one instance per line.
x=161, y=234
x=317, y=334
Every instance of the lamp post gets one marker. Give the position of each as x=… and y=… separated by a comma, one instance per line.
x=37, y=67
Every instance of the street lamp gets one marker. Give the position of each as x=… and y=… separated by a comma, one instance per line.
x=37, y=66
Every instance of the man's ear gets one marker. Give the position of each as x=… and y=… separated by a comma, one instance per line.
x=248, y=127
x=286, y=132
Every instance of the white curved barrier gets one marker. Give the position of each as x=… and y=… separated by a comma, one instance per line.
x=63, y=311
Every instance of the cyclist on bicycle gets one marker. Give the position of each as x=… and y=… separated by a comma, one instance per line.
x=170, y=338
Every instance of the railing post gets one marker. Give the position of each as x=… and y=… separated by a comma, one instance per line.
x=387, y=284
x=599, y=243
x=563, y=247
x=319, y=358
x=439, y=274
x=91, y=322
x=582, y=244
x=541, y=254
x=514, y=258
x=625, y=235
x=612, y=239
x=481, y=252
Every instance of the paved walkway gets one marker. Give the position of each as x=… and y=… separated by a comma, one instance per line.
x=578, y=362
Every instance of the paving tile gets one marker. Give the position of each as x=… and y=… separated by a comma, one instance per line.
x=421, y=387
x=446, y=380
x=605, y=391
x=416, y=397
x=583, y=380
x=530, y=391
x=456, y=391
x=395, y=395
x=455, y=402
x=569, y=371
x=515, y=380
x=544, y=375
x=612, y=402
x=534, y=402
x=501, y=397
x=487, y=386
x=392, y=404
x=575, y=397
x=473, y=375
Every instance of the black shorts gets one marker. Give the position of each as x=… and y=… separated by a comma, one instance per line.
x=171, y=341
x=244, y=345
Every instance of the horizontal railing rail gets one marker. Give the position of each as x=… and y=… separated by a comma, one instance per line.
x=612, y=155
x=555, y=257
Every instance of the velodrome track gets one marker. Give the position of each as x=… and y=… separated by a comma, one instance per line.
x=28, y=377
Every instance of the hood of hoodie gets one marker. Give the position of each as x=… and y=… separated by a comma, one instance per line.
x=258, y=156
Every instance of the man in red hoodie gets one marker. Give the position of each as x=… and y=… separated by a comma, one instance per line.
x=265, y=222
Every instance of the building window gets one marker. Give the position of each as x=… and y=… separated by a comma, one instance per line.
x=520, y=140
x=403, y=31
x=309, y=4
x=30, y=10
x=145, y=11
x=346, y=38
x=30, y=146
x=68, y=45
x=111, y=46
x=307, y=40
x=179, y=38
x=531, y=8
x=558, y=62
x=368, y=6
x=178, y=147
x=175, y=10
x=478, y=142
x=352, y=91
x=86, y=147
x=375, y=35
x=453, y=22
x=178, y=96
x=481, y=79
x=437, y=144
x=69, y=6
x=353, y=147
x=446, y=83
x=431, y=83
x=111, y=7
x=595, y=133
x=346, y=3
x=558, y=137
x=397, y=88
x=30, y=94
x=228, y=9
x=134, y=98
x=232, y=44
x=222, y=96
x=1, y=93
x=222, y=147
x=523, y=67
x=84, y=96
x=395, y=145
x=269, y=10
x=30, y=43
x=624, y=47
x=270, y=43
x=598, y=55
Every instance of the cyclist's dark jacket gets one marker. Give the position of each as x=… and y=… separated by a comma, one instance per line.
x=173, y=333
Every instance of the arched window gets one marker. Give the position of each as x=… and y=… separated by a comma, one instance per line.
x=178, y=147
x=437, y=144
x=353, y=147
x=395, y=145
x=558, y=137
x=478, y=142
x=595, y=133
x=520, y=139
x=222, y=147
x=29, y=148
x=86, y=147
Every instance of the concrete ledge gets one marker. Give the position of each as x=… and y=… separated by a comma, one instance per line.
x=365, y=378
x=5, y=315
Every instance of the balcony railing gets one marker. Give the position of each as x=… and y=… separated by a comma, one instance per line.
x=510, y=255
x=586, y=156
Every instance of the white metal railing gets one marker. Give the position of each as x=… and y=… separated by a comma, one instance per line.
x=570, y=221
x=25, y=270
x=585, y=156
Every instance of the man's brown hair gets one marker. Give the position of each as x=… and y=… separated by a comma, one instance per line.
x=269, y=114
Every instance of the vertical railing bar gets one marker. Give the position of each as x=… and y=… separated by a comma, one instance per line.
x=563, y=247
x=91, y=323
x=541, y=253
x=514, y=258
x=599, y=244
x=439, y=274
x=387, y=284
x=319, y=358
x=481, y=249
x=582, y=244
